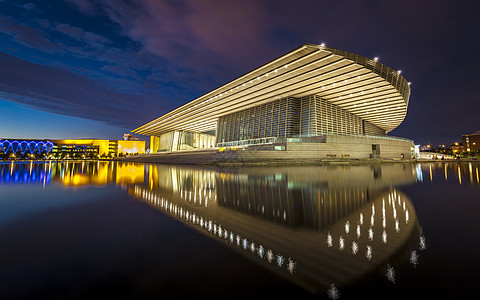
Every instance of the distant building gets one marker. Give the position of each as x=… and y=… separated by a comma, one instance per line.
x=456, y=148
x=72, y=148
x=129, y=137
x=428, y=147
x=99, y=147
x=471, y=142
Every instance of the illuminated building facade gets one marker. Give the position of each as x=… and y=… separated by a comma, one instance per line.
x=311, y=92
x=73, y=148
x=23, y=147
x=471, y=142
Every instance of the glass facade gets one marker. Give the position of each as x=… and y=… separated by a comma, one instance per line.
x=292, y=117
x=181, y=140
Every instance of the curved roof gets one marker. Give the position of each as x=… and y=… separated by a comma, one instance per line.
x=363, y=86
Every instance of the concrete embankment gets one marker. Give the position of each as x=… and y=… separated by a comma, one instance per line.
x=239, y=157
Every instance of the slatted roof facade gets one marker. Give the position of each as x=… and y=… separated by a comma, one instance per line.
x=363, y=86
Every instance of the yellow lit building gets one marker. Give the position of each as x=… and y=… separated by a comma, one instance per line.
x=89, y=147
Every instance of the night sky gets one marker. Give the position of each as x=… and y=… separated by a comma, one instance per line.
x=100, y=68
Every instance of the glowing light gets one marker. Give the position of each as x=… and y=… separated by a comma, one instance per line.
x=261, y=251
x=291, y=266
x=369, y=253
x=269, y=256
x=329, y=240
x=354, y=247
x=390, y=274
x=280, y=260
x=414, y=258
x=384, y=237
x=341, y=243
x=370, y=234
x=347, y=227
x=333, y=292
x=423, y=244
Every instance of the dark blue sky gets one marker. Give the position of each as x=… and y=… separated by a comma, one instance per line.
x=100, y=68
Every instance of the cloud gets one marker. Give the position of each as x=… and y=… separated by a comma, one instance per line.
x=81, y=35
x=27, y=35
x=63, y=92
x=210, y=39
x=86, y=7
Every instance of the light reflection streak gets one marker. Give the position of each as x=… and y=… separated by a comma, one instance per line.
x=414, y=258
x=291, y=266
x=389, y=203
x=333, y=292
x=213, y=228
x=470, y=171
x=422, y=244
x=459, y=175
x=369, y=252
x=329, y=240
x=390, y=274
x=354, y=247
x=446, y=176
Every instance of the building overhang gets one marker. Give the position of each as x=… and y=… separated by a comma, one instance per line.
x=362, y=86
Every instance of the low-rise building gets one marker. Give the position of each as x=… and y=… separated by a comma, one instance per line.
x=70, y=148
x=471, y=142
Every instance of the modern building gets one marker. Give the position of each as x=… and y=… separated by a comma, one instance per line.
x=314, y=101
x=471, y=142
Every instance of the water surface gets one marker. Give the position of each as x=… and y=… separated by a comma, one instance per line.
x=83, y=229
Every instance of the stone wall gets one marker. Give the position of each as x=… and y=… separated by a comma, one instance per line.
x=336, y=147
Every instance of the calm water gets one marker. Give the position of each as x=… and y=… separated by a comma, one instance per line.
x=118, y=230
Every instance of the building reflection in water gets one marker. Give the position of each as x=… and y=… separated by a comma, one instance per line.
x=316, y=226
x=320, y=227
x=463, y=172
x=73, y=173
